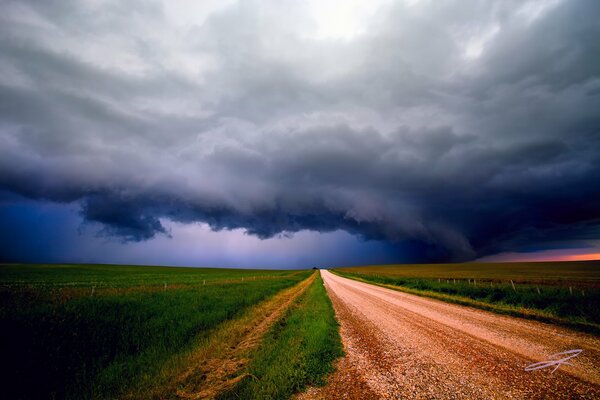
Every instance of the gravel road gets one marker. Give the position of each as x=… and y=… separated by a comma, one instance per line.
x=404, y=346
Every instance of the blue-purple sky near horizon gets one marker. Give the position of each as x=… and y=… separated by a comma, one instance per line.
x=55, y=233
x=286, y=134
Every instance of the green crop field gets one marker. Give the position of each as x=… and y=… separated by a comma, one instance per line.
x=79, y=331
x=120, y=276
x=561, y=292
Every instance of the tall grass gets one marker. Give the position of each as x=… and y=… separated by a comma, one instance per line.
x=298, y=351
x=98, y=346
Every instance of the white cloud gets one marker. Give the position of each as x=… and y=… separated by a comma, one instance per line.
x=476, y=45
x=534, y=9
x=342, y=19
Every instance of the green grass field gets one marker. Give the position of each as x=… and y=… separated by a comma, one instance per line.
x=567, y=293
x=120, y=276
x=70, y=331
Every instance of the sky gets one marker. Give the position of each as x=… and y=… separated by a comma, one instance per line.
x=290, y=134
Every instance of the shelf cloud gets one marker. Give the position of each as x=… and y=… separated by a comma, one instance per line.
x=458, y=129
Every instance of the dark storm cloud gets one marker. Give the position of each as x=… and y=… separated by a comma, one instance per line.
x=458, y=128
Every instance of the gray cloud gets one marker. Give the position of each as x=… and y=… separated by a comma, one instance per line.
x=461, y=128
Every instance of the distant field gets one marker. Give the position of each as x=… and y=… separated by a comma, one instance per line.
x=559, y=292
x=78, y=331
x=120, y=276
x=583, y=273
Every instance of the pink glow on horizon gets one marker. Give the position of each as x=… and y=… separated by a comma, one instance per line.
x=584, y=257
x=587, y=254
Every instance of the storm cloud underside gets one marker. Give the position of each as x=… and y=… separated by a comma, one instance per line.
x=458, y=129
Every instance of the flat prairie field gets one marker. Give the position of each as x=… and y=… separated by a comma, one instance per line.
x=101, y=331
x=122, y=276
x=584, y=273
x=566, y=293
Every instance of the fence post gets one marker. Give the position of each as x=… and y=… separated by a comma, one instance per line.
x=513, y=285
x=570, y=290
x=538, y=290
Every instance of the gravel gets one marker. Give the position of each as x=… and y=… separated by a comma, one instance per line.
x=401, y=346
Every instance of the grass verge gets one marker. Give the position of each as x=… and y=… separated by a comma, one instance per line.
x=557, y=305
x=297, y=352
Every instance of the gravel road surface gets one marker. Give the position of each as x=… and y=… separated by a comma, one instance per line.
x=404, y=346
